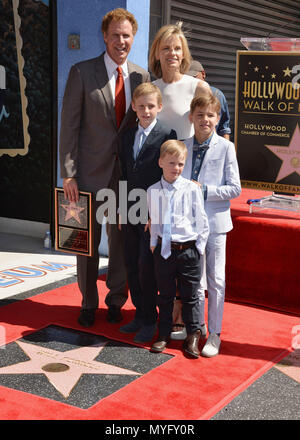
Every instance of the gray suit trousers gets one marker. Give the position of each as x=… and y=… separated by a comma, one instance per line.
x=87, y=267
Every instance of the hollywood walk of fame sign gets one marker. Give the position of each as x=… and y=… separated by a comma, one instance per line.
x=73, y=223
x=74, y=367
x=267, y=125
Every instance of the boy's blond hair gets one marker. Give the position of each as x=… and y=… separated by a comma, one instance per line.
x=174, y=148
x=164, y=33
x=146, y=89
x=119, y=14
x=204, y=100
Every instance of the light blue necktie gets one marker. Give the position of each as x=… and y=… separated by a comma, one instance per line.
x=140, y=144
x=166, y=236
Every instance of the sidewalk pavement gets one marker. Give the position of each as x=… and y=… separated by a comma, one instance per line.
x=41, y=269
x=274, y=396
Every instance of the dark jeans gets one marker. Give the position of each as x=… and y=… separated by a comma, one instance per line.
x=140, y=272
x=183, y=270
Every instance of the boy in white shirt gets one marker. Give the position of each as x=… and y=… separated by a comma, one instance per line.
x=179, y=231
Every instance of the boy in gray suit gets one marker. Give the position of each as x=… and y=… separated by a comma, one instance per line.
x=213, y=164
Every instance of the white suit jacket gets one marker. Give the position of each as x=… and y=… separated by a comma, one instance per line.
x=220, y=173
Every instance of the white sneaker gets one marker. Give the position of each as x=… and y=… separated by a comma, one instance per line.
x=212, y=346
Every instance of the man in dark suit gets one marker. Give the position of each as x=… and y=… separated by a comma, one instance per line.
x=139, y=159
x=96, y=110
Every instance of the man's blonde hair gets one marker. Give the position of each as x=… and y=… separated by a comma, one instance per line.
x=164, y=33
x=174, y=148
x=119, y=14
x=147, y=88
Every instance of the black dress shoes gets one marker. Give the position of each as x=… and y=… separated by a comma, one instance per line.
x=114, y=314
x=160, y=344
x=190, y=345
x=87, y=317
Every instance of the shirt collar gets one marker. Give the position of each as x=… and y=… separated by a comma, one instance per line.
x=111, y=66
x=170, y=186
x=204, y=144
x=148, y=129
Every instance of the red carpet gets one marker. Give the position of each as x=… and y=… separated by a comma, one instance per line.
x=263, y=256
x=252, y=341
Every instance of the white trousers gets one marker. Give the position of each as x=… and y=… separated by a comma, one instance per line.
x=214, y=268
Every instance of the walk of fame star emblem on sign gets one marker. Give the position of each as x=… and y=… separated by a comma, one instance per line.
x=73, y=367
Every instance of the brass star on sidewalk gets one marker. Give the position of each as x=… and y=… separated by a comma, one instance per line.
x=290, y=156
x=72, y=211
x=63, y=369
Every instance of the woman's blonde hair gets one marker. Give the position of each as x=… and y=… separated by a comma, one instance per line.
x=164, y=33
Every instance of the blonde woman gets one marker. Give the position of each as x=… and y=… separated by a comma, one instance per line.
x=169, y=61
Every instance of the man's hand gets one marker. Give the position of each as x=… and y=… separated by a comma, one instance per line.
x=71, y=189
x=147, y=225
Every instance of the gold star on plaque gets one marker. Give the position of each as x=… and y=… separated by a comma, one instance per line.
x=72, y=211
x=273, y=76
x=256, y=69
x=287, y=72
x=289, y=155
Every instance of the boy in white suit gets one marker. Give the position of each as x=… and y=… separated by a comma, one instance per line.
x=212, y=163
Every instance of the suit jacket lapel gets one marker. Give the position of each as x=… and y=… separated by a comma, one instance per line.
x=187, y=171
x=134, y=82
x=131, y=139
x=209, y=152
x=103, y=85
x=150, y=138
x=133, y=77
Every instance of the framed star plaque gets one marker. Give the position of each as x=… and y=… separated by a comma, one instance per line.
x=267, y=124
x=73, y=225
